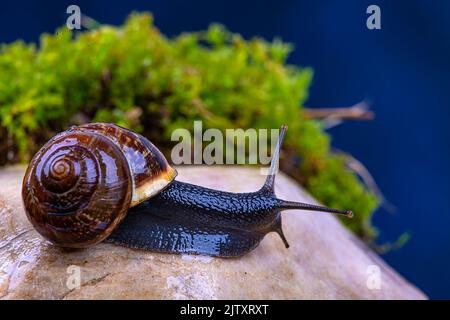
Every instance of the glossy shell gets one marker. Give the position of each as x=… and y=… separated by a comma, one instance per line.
x=80, y=185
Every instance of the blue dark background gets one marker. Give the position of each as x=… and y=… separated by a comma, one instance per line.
x=404, y=69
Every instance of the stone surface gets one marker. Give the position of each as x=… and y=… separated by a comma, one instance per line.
x=324, y=260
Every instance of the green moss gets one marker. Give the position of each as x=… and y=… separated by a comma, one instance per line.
x=136, y=77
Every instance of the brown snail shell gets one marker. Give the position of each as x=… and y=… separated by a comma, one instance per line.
x=80, y=185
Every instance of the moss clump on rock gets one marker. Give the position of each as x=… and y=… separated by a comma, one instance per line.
x=136, y=77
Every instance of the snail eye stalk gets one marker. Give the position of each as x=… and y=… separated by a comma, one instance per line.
x=269, y=185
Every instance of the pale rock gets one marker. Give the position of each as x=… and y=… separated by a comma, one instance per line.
x=324, y=261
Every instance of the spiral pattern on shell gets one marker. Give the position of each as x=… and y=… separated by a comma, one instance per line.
x=77, y=188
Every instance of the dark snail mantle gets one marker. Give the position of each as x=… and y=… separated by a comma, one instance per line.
x=101, y=181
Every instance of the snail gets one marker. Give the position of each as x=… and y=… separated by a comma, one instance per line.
x=99, y=181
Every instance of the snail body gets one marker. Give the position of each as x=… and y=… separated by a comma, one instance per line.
x=100, y=182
